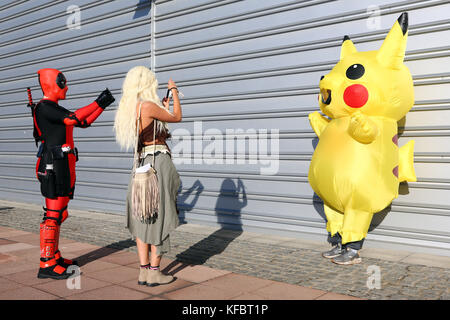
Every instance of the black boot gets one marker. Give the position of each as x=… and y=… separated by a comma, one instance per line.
x=64, y=262
x=49, y=268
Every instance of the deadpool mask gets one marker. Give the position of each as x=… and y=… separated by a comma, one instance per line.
x=53, y=84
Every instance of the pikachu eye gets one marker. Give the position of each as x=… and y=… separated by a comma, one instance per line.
x=355, y=71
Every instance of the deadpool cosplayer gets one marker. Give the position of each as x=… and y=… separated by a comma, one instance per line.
x=55, y=168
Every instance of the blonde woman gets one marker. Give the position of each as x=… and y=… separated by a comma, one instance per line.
x=139, y=91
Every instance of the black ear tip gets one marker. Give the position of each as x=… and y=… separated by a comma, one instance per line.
x=346, y=38
x=403, y=22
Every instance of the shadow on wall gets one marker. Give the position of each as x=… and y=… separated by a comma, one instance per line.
x=228, y=206
x=317, y=202
x=182, y=198
x=403, y=188
x=376, y=220
x=231, y=200
x=142, y=9
x=377, y=217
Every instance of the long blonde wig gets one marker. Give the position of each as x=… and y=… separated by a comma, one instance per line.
x=140, y=84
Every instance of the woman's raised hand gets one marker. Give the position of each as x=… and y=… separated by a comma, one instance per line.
x=171, y=84
x=166, y=102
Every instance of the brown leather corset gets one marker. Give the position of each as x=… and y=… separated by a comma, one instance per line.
x=146, y=135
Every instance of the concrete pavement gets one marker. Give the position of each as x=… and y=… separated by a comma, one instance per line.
x=210, y=263
x=111, y=274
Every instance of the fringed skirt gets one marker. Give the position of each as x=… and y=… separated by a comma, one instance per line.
x=156, y=231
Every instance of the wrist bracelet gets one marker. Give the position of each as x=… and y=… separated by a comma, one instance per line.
x=173, y=88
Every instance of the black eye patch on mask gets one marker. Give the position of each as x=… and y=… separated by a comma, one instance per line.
x=61, y=80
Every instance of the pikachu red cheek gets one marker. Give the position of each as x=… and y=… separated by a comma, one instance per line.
x=356, y=96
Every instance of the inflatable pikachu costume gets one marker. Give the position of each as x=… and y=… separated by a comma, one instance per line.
x=357, y=165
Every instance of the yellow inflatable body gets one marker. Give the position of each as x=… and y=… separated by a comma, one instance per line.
x=357, y=165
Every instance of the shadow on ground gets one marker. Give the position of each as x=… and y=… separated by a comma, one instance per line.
x=105, y=251
x=232, y=198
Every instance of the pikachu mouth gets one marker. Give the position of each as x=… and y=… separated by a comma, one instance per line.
x=326, y=96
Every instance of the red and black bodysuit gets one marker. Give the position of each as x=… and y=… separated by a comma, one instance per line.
x=55, y=168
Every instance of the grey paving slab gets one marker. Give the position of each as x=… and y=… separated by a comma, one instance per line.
x=428, y=259
x=391, y=255
x=401, y=275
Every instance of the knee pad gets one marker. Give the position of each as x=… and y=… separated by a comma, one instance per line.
x=57, y=215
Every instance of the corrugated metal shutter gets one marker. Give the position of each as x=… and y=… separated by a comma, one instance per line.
x=113, y=37
x=256, y=64
x=249, y=65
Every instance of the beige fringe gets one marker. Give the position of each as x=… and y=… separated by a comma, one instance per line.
x=145, y=195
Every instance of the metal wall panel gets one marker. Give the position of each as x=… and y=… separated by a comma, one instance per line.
x=114, y=36
x=249, y=65
x=256, y=65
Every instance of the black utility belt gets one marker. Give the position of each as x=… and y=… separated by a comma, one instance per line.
x=57, y=152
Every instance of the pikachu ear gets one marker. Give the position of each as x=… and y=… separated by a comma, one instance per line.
x=392, y=51
x=347, y=47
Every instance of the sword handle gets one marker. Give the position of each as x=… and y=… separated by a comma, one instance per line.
x=30, y=98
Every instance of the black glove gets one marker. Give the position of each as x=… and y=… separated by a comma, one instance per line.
x=105, y=99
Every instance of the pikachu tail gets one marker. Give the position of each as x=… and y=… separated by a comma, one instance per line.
x=406, y=170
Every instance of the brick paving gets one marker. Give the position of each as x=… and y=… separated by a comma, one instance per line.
x=111, y=274
x=197, y=250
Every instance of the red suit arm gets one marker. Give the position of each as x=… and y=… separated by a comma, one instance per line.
x=94, y=115
x=84, y=117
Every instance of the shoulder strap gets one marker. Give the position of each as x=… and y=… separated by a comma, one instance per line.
x=136, y=153
x=154, y=141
